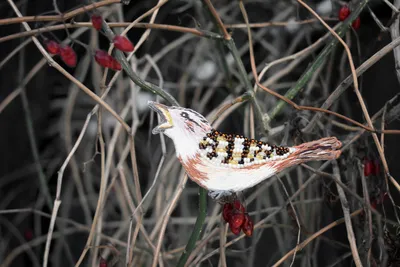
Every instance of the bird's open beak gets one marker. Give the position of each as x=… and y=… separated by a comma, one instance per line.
x=166, y=119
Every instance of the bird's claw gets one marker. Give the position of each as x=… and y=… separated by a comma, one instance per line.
x=222, y=196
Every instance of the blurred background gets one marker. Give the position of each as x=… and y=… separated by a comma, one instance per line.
x=44, y=116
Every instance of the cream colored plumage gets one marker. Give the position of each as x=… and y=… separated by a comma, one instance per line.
x=231, y=163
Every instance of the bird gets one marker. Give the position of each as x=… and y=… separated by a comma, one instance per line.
x=226, y=164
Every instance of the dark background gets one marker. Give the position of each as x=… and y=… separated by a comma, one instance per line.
x=378, y=84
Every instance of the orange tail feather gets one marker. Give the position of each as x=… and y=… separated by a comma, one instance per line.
x=323, y=149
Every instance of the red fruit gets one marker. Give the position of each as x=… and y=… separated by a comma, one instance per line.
x=115, y=65
x=122, y=43
x=97, y=21
x=68, y=55
x=227, y=212
x=369, y=167
x=52, y=47
x=356, y=24
x=248, y=226
x=344, y=12
x=28, y=234
x=103, y=263
x=238, y=206
x=107, y=61
x=236, y=220
x=235, y=230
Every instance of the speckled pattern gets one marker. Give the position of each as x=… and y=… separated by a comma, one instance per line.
x=237, y=151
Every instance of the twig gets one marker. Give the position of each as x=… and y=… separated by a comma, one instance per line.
x=347, y=219
x=61, y=17
x=74, y=25
x=219, y=22
x=222, y=241
x=169, y=210
x=287, y=99
x=395, y=33
x=31, y=135
x=297, y=221
x=317, y=62
x=315, y=235
x=275, y=23
x=367, y=204
x=358, y=94
x=57, y=204
x=132, y=75
x=349, y=80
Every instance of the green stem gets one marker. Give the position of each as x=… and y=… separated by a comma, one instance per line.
x=132, y=75
x=318, y=61
x=197, y=228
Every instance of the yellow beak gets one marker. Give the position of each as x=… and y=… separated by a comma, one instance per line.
x=166, y=119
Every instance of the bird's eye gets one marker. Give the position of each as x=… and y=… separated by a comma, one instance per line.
x=185, y=115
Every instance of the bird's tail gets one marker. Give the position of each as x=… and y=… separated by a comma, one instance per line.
x=323, y=149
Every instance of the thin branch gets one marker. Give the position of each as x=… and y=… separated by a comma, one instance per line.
x=314, y=236
x=347, y=219
x=61, y=17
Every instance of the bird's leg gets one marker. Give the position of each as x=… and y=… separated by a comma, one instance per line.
x=222, y=196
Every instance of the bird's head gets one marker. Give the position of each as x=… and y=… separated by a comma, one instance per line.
x=184, y=126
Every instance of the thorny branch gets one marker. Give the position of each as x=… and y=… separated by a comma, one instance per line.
x=158, y=224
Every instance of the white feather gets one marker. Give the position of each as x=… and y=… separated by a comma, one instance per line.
x=233, y=179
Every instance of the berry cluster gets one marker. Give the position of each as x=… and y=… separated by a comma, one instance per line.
x=103, y=263
x=66, y=52
x=68, y=55
x=344, y=13
x=235, y=214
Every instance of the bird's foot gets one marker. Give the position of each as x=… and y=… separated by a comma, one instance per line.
x=222, y=196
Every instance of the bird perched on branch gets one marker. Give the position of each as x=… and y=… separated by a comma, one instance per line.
x=224, y=163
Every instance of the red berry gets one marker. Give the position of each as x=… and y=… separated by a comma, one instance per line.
x=238, y=206
x=356, y=23
x=344, y=12
x=115, y=65
x=235, y=230
x=248, y=226
x=374, y=203
x=227, y=212
x=28, y=234
x=103, y=263
x=122, y=43
x=68, y=55
x=236, y=220
x=107, y=61
x=369, y=167
x=52, y=47
x=97, y=21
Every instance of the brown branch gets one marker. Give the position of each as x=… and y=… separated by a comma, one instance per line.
x=111, y=25
x=275, y=23
x=347, y=219
x=358, y=94
x=293, y=104
x=61, y=17
x=315, y=235
x=220, y=24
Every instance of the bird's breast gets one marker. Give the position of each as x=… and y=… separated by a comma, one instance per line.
x=213, y=176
